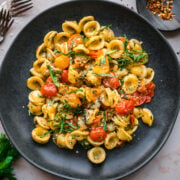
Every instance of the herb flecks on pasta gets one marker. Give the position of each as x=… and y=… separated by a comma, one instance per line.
x=87, y=86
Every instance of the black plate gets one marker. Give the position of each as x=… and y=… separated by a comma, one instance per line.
x=66, y=163
x=156, y=21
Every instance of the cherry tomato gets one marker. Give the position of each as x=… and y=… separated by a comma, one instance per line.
x=74, y=40
x=137, y=98
x=94, y=54
x=64, y=76
x=49, y=90
x=112, y=82
x=121, y=38
x=98, y=134
x=124, y=107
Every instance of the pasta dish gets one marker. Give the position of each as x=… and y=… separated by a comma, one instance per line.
x=87, y=86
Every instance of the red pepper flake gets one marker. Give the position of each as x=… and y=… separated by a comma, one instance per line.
x=162, y=8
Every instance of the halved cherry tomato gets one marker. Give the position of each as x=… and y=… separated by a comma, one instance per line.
x=98, y=134
x=112, y=82
x=124, y=107
x=49, y=90
x=64, y=76
x=95, y=53
x=137, y=98
x=74, y=40
x=121, y=38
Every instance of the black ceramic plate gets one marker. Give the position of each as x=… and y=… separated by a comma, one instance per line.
x=156, y=21
x=66, y=163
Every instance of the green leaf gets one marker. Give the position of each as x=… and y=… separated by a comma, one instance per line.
x=53, y=76
x=102, y=61
x=104, y=75
x=104, y=124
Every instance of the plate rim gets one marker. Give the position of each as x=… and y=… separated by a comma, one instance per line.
x=165, y=138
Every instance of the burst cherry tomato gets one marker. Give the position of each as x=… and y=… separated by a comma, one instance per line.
x=64, y=76
x=74, y=40
x=95, y=53
x=49, y=80
x=98, y=134
x=124, y=107
x=137, y=98
x=147, y=90
x=49, y=90
x=112, y=82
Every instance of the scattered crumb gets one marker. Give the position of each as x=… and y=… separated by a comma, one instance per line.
x=77, y=151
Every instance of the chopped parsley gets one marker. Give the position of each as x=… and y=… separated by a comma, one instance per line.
x=53, y=76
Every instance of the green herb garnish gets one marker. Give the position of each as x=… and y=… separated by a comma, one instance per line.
x=8, y=154
x=84, y=143
x=53, y=76
x=104, y=124
x=104, y=75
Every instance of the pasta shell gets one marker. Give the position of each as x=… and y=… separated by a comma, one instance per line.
x=149, y=76
x=38, y=135
x=36, y=98
x=137, y=112
x=91, y=28
x=84, y=20
x=95, y=43
x=62, y=48
x=81, y=49
x=130, y=84
x=35, y=110
x=123, y=135
x=61, y=140
x=90, y=115
x=106, y=33
x=34, y=73
x=42, y=122
x=134, y=44
x=147, y=117
x=79, y=135
x=136, y=123
x=140, y=71
x=96, y=155
x=41, y=51
x=71, y=27
x=94, y=143
x=40, y=65
x=117, y=46
x=92, y=79
x=111, y=141
x=70, y=141
x=49, y=39
x=73, y=75
x=50, y=55
x=61, y=37
x=121, y=121
x=110, y=97
x=35, y=83
x=121, y=73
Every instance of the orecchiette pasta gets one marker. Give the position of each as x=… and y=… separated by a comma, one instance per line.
x=86, y=88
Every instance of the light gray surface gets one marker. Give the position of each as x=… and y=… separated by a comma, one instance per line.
x=165, y=166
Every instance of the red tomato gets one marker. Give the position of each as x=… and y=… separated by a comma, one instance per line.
x=112, y=82
x=94, y=54
x=98, y=134
x=124, y=107
x=74, y=40
x=49, y=80
x=147, y=90
x=49, y=90
x=64, y=76
x=137, y=98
